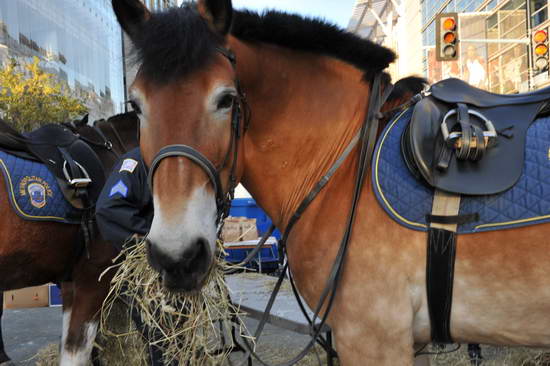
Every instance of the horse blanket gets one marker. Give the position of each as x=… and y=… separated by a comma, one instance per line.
x=408, y=200
x=33, y=191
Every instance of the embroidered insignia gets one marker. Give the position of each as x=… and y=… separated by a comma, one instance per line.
x=37, y=194
x=128, y=165
x=37, y=189
x=119, y=188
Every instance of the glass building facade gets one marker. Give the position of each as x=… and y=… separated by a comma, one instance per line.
x=79, y=40
x=159, y=4
x=502, y=66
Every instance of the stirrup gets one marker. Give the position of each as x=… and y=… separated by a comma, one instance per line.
x=77, y=182
x=455, y=140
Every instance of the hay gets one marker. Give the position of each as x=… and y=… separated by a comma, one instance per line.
x=48, y=356
x=184, y=326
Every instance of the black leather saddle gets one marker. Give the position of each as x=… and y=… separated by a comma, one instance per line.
x=465, y=140
x=76, y=166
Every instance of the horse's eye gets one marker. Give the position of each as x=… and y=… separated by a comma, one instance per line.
x=226, y=101
x=135, y=107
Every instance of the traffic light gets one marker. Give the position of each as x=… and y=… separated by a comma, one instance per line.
x=540, y=50
x=446, y=45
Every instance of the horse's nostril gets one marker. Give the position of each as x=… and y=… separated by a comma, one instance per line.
x=158, y=259
x=195, y=252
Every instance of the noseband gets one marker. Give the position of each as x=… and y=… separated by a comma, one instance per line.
x=223, y=200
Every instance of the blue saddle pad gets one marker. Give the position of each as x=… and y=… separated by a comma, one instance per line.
x=33, y=191
x=408, y=200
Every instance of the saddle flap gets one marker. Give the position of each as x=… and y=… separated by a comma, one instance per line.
x=501, y=165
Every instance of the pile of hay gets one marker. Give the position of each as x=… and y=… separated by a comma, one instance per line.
x=188, y=328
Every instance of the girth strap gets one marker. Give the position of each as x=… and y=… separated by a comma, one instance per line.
x=439, y=282
x=440, y=265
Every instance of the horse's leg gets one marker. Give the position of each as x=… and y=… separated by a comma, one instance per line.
x=384, y=348
x=67, y=293
x=88, y=296
x=3, y=356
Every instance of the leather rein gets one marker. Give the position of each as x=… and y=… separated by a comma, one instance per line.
x=366, y=137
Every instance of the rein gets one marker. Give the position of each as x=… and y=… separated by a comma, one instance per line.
x=223, y=200
x=367, y=137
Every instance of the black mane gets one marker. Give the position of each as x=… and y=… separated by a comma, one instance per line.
x=177, y=42
x=311, y=35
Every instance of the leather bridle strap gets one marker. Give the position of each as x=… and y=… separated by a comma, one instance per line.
x=223, y=201
x=118, y=137
x=195, y=156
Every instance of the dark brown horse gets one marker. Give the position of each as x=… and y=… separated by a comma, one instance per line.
x=307, y=85
x=34, y=253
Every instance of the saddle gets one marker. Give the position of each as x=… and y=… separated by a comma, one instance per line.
x=465, y=140
x=77, y=168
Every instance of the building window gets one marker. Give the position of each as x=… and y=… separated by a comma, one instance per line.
x=539, y=11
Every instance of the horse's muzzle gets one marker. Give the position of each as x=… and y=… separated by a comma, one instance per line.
x=188, y=272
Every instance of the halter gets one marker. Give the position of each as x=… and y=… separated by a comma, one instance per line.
x=223, y=200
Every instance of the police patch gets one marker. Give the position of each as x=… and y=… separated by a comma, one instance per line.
x=37, y=194
x=119, y=188
x=37, y=190
x=128, y=165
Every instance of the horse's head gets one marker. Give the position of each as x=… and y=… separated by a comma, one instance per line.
x=188, y=102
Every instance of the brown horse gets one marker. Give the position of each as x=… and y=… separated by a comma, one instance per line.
x=34, y=253
x=307, y=85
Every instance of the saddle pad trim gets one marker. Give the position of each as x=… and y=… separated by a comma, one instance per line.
x=515, y=222
x=379, y=191
x=13, y=200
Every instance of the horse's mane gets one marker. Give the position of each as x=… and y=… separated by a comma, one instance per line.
x=121, y=116
x=311, y=35
x=176, y=42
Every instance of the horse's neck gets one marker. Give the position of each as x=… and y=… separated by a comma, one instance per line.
x=305, y=110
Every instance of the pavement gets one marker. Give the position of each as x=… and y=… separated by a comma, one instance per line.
x=28, y=330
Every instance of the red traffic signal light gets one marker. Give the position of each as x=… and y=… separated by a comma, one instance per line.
x=446, y=46
x=540, y=50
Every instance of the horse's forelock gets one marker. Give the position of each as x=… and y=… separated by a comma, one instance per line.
x=173, y=44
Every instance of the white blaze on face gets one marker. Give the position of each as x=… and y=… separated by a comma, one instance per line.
x=195, y=218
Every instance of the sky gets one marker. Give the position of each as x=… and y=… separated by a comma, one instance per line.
x=335, y=11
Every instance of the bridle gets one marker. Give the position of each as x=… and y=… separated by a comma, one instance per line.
x=223, y=199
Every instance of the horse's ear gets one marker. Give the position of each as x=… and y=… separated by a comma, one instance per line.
x=82, y=122
x=217, y=13
x=131, y=15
